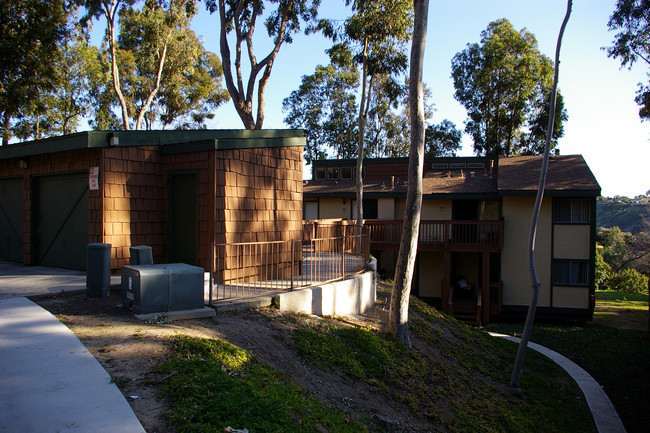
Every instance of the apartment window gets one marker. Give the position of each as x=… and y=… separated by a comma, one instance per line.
x=572, y=211
x=347, y=173
x=333, y=173
x=571, y=272
x=319, y=173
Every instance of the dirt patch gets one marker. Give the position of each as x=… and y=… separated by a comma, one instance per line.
x=129, y=349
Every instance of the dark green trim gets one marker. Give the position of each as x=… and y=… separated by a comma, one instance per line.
x=194, y=140
x=592, y=250
x=231, y=143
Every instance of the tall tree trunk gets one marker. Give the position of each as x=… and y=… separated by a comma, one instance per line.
x=110, y=13
x=530, y=317
x=152, y=94
x=362, y=133
x=399, y=303
x=6, y=134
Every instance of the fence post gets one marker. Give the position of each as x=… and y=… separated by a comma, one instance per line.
x=211, y=280
x=343, y=255
x=293, y=259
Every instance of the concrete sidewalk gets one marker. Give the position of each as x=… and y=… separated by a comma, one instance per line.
x=20, y=280
x=602, y=409
x=49, y=382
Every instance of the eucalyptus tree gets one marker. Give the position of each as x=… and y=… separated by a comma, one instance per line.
x=504, y=82
x=60, y=110
x=240, y=17
x=30, y=36
x=442, y=139
x=399, y=302
x=168, y=76
x=141, y=43
x=631, y=21
x=534, y=279
x=324, y=105
x=375, y=36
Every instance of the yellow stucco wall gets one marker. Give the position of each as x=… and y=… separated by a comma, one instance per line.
x=571, y=297
x=334, y=208
x=514, y=258
x=430, y=272
x=436, y=210
x=571, y=241
x=400, y=205
x=386, y=208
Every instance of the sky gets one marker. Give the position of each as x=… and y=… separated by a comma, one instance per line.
x=603, y=124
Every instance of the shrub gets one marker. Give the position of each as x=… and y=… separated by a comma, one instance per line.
x=603, y=270
x=628, y=280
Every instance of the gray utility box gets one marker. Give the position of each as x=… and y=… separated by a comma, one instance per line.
x=98, y=271
x=140, y=255
x=160, y=288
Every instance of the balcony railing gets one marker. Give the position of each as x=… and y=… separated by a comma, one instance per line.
x=439, y=235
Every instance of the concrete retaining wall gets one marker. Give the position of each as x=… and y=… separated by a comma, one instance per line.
x=341, y=298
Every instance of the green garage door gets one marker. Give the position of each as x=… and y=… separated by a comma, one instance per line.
x=11, y=220
x=60, y=221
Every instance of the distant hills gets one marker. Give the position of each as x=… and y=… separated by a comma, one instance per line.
x=629, y=214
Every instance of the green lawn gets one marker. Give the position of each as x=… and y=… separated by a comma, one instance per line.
x=614, y=349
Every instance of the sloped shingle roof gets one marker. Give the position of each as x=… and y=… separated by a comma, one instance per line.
x=514, y=175
x=565, y=173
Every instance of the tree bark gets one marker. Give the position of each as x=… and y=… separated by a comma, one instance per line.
x=152, y=94
x=361, y=138
x=243, y=97
x=530, y=317
x=110, y=11
x=399, y=304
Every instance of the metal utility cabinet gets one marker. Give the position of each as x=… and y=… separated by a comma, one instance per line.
x=161, y=288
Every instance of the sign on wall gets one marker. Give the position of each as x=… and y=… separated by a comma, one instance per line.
x=93, y=178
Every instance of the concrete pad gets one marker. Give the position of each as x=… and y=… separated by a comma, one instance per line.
x=197, y=313
x=49, y=381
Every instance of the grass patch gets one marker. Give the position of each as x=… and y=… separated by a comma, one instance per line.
x=618, y=358
x=456, y=376
x=219, y=385
x=635, y=301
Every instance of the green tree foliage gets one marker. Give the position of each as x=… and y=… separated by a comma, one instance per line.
x=160, y=72
x=240, y=17
x=504, y=82
x=61, y=109
x=629, y=280
x=30, y=35
x=374, y=39
x=183, y=90
x=603, y=270
x=325, y=107
x=615, y=246
x=442, y=139
x=631, y=21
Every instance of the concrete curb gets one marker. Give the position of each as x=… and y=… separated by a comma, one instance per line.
x=602, y=409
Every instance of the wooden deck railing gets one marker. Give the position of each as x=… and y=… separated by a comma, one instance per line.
x=439, y=235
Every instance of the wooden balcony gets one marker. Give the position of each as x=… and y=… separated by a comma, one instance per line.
x=475, y=236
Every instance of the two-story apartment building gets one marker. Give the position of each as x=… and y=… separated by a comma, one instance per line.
x=472, y=253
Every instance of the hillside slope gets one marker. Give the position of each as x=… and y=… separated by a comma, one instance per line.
x=628, y=214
